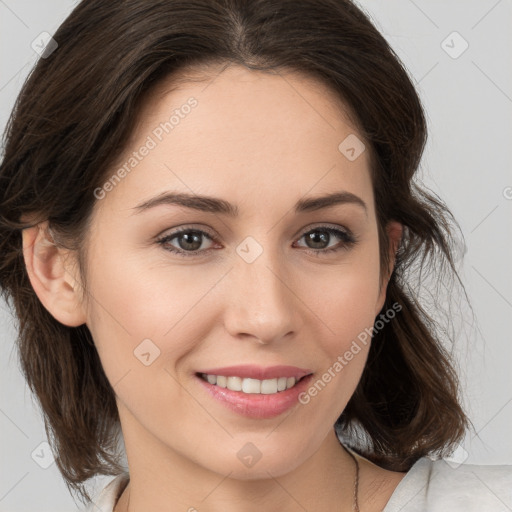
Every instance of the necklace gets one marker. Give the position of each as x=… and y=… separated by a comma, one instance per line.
x=355, y=506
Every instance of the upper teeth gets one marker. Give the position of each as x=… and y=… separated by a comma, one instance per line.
x=265, y=387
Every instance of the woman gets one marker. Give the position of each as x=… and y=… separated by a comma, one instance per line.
x=208, y=216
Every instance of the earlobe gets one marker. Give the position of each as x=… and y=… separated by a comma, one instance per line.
x=394, y=230
x=56, y=288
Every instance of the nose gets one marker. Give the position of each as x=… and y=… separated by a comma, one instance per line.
x=262, y=298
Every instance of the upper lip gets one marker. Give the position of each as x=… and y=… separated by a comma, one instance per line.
x=258, y=372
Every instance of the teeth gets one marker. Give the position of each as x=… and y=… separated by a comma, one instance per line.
x=251, y=386
x=281, y=383
x=234, y=383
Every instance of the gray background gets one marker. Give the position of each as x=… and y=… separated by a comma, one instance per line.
x=467, y=97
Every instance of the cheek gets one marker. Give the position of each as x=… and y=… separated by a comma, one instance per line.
x=345, y=296
x=349, y=304
x=347, y=311
x=144, y=319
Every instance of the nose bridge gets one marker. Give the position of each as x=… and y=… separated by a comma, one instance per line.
x=262, y=301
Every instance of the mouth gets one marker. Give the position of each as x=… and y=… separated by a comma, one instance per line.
x=252, y=386
x=251, y=397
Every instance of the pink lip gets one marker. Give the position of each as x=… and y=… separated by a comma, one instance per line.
x=258, y=372
x=253, y=405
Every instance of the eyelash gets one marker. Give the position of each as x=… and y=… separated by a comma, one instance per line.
x=348, y=241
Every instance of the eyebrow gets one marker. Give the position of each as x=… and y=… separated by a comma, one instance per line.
x=220, y=206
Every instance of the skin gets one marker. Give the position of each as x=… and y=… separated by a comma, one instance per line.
x=261, y=142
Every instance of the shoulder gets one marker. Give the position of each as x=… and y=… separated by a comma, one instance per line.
x=437, y=485
x=108, y=496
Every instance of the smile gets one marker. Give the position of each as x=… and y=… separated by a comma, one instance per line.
x=251, y=386
x=275, y=391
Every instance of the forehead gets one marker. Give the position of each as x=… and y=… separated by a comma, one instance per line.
x=235, y=132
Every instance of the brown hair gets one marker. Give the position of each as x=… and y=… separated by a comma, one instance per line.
x=72, y=119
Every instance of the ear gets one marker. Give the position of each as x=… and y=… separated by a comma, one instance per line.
x=394, y=230
x=53, y=283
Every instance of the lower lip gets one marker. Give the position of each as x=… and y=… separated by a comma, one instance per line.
x=256, y=405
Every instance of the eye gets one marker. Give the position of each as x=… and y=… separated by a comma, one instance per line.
x=189, y=241
x=322, y=235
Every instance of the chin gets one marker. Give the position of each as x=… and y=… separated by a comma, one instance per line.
x=259, y=459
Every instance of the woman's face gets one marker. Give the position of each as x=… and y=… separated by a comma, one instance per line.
x=260, y=282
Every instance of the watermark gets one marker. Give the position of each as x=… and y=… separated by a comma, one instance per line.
x=44, y=45
x=352, y=147
x=151, y=142
x=42, y=455
x=348, y=355
x=146, y=352
x=457, y=457
x=507, y=192
x=249, y=455
x=454, y=45
x=249, y=249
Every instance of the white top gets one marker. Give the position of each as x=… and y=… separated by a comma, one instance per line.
x=429, y=486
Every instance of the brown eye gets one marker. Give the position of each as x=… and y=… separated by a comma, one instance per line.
x=189, y=241
x=318, y=239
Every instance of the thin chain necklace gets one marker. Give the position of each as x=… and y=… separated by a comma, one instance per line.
x=355, y=505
